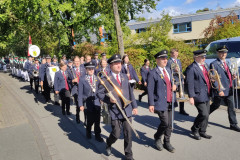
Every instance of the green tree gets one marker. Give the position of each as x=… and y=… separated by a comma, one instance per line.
x=202, y=10
x=222, y=27
x=140, y=19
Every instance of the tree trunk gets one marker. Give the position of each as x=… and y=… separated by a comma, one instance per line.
x=118, y=28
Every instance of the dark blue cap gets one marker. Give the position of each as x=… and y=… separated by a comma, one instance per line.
x=114, y=58
x=162, y=53
x=90, y=64
x=201, y=52
x=223, y=48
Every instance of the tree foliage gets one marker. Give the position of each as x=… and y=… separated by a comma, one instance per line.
x=51, y=22
x=222, y=27
x=202, y=10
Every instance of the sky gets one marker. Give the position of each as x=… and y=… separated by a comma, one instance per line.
x=178, y=7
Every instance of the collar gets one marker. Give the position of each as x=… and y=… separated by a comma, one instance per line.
x=161, y=69
x=115, y=75
x=173, y=59
x=223, y=61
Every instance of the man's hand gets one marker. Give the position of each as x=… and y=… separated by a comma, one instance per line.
x=139, y=82
x=234, y=77
x=191, y=100
x=176, y=69
x=174, y=87
x=112, y=100
x=135, y=111
x=145, y=84
x=151, y=109
x=56, y=92
x=82, y=108
x=221, y=93
x=75, y=80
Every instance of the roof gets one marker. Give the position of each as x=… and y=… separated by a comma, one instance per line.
x=187, y=17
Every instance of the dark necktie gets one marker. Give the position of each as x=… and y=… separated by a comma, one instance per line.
x=91, y=81
x=78, y=74
x=118, y=80
x=205, y=74
x=66, y=84
x=37, y=67
x=169, y=86
x=228, y=73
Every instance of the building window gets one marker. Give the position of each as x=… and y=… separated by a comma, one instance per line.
x=139, y=30
x=182, y=27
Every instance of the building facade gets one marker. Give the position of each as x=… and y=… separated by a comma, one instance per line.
x=187, y=27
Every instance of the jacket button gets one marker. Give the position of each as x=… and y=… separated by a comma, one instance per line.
x=165, y=97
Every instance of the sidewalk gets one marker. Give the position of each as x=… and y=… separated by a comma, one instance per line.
x=18, y=138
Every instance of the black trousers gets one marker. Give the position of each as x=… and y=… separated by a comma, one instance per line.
x=36, y=84
x=94, y=117
x=127, y=132
x=75, y=96
x=201, y=121
x=229, y=101
x=31, y=82
x=65, y=97
x=145, y=91
x=46, y=88
x=181, y=106
x=165, y=127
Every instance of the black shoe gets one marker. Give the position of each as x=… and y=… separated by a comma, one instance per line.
x=68, y=113
x=139, y=98
x=169, y=147
x=183, y=112
x=204, y=135
x=108, y=150
x=56, y=103
x=196, y=135
x=99, y=139
x=158, y=144
x=235, y=128
x=63, y=113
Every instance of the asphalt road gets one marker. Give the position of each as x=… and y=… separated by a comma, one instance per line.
x=30, y=129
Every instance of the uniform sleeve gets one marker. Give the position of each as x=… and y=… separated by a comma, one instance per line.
x=132, y=97
x=190, y=82
x=56, y=87
x=102, y=94
x=135, y=74
x=150, y=88
x=80, y=93
x=143, y=75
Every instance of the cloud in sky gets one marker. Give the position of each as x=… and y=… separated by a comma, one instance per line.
x=237, y=2
x=154, y=14
x=189, y=1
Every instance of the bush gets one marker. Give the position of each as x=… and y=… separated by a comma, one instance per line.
x=83, y=49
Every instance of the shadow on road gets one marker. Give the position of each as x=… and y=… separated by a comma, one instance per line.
x=76, y=132
x=37, y=97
